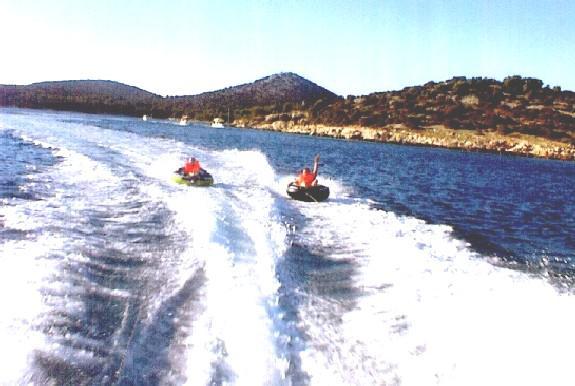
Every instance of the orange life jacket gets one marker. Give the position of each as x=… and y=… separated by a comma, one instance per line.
x=192, y=167
x=306, y=179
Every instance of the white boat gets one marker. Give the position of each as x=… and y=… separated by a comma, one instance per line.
x=184, y=120
x=218, y=122
x=144, y=117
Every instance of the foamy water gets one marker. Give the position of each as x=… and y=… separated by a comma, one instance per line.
x=429, y=310
x=124, y=276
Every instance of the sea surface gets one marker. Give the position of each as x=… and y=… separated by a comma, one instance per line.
x=424, y=267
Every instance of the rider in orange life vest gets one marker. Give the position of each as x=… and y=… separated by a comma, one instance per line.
x=192, y=167
x=307, y=178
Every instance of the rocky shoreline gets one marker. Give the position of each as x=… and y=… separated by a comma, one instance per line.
x=434, y=136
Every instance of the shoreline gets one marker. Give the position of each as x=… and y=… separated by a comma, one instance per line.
x=434, y=136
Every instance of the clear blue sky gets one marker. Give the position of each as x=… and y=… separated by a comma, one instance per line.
x=350, y=47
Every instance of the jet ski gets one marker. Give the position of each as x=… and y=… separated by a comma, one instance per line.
x=314, y=193
x=202, y=179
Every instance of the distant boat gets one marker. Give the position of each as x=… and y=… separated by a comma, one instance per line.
x=218, y=122
x=144, y=117
x=184, y=120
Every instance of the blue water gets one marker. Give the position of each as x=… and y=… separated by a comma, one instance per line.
x=516, y=208
x=420, y=263
x=17, y=160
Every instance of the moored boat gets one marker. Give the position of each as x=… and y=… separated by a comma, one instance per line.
x=184, y=120
x=218, y=122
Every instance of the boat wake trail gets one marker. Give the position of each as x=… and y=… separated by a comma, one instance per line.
x=151, y=282
x=105, y=250
x=234, y=339
x=397, y=301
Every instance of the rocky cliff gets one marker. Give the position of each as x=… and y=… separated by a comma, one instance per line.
x=435, y=136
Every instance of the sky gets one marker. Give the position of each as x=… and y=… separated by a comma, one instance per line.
x=177, y=47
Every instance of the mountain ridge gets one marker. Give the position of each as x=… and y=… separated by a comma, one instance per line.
x=92, y=86
x=106, y=96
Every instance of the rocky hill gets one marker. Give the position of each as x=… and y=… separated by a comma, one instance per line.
x=518, y=115
x=517, y=104
x=278, y=92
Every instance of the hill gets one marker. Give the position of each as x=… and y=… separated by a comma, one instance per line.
x=517, y=104
x=275, y=92
x=278, y=92
x=92, y=87
x=518, y=115
x=95, y=96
